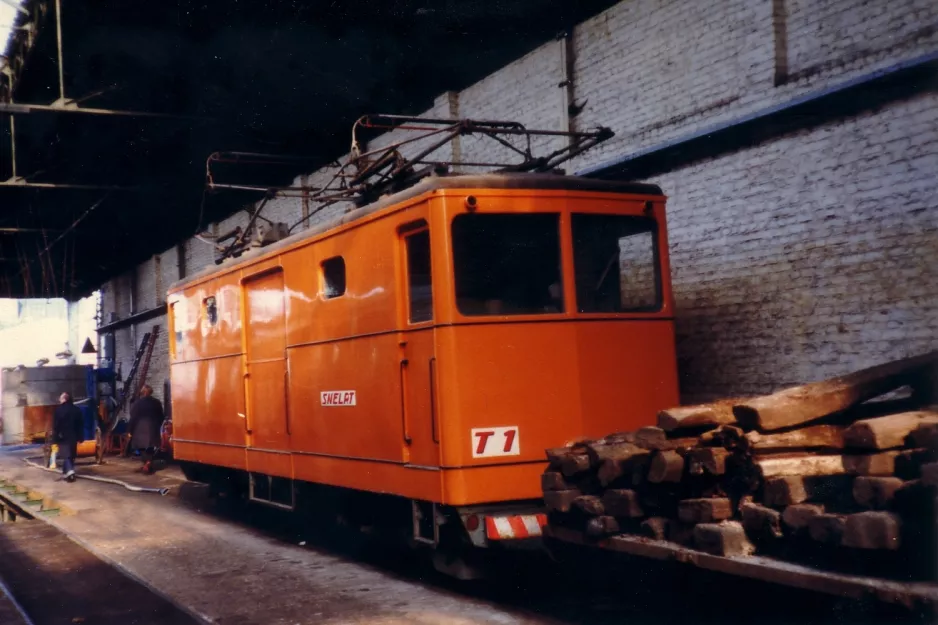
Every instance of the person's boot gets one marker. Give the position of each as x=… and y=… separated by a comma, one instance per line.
x=70, y=476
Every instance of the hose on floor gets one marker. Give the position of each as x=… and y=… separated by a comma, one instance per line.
x=107, y=480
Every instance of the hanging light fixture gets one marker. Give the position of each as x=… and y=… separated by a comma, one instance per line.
x=88, y=348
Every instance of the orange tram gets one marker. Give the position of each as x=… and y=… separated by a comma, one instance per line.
x=410, y=361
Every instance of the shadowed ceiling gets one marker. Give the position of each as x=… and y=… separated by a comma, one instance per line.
x=281, y=77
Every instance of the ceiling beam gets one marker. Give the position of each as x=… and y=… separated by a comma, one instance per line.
x=69, y=106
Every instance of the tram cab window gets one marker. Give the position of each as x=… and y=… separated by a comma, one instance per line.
x=615, y=262
x=507, y=264
x=333, y=277
x=419, y=283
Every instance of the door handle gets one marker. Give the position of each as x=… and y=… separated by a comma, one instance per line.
x=246, y=393
x=434, y=434
x=286, y=398
x=404, y=426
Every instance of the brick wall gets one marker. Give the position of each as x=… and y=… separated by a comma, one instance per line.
x=525, y=91
x=808, y=256
x=148, y=283
x=827, y=36
x=802, y=257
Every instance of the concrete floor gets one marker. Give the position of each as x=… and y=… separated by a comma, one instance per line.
x=9, y=614
x=54, y=580
x=241, y=566
x=232, y=573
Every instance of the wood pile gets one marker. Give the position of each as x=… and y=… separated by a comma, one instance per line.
x=817, y=473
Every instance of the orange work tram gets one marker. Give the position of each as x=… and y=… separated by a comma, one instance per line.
x=420, y=353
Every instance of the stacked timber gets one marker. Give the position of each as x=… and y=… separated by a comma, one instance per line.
x=823, y=472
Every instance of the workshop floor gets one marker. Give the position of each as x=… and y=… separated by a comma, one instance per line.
x=236, y=565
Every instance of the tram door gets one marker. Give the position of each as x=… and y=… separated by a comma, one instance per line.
x=266, y=375
x=418, y=365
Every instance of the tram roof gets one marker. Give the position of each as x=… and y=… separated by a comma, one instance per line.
x=534, y=182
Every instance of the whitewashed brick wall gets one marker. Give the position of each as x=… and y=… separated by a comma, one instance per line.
x=805, y=256
x=809, y=256
x=525, y=91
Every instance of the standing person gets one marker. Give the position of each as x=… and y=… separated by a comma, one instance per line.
x=67, y=433
x=146, y=417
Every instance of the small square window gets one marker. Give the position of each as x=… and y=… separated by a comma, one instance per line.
x=333, y=277
x=211, y=310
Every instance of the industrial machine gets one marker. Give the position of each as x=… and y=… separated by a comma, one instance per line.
x=98, y=391
x=410, y=361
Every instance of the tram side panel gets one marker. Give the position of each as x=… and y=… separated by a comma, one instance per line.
x=206, y=373
x=356, y=420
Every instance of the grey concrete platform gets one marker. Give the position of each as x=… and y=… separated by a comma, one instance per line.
x=240, y=566
x=227, y=572
x=55, y=580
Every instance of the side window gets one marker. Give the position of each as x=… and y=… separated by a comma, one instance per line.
x=178, y=324
x=211, y=309
x=333, y=277
x=174, y=331
x=419, y=278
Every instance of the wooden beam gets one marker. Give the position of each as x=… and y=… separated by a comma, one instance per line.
x=726, y=539
x=799, y=465
x=797, y=517
x=872, y=530
x=829, y=437
x=699, y=416
x=760, y=522
x=802, y=404
x=666, y=466
x=704, y=510
x=887, y=432
x=794, y=489
x=871, y=464
x=622, y=503
x=875, y=493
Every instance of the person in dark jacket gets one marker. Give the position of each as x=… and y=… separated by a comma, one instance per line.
x=146, y=417
x=67, y=428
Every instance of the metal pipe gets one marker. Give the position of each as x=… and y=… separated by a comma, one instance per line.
x=237, y=157
x=106, y=480
x=368, y=121
x=23, y=109
x=242, y=187
x=18, y=230
x=58, y=37
x=13, y=144
x=63, y=185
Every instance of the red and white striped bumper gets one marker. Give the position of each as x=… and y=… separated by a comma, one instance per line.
x=515, y=526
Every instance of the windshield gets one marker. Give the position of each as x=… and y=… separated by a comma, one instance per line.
x=507, y=264
x=615, y=261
